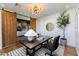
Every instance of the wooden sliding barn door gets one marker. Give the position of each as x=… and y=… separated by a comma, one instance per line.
x=8, y=28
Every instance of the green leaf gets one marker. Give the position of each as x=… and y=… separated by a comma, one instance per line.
x=63, y=19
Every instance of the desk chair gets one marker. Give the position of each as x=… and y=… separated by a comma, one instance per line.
x=52, y=46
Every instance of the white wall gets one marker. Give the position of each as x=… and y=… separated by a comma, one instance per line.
x=0, y=31
x=77, y=32
x=70, y=29
x=41, y=25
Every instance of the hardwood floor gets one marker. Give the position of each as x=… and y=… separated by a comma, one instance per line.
x=69, y=51
x=8, y=49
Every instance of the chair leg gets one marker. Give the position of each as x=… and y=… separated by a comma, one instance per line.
x=51, y=53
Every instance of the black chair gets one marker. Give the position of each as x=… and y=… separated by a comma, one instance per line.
x=52, y=46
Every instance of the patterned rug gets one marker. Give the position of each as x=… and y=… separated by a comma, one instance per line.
x=41, y=52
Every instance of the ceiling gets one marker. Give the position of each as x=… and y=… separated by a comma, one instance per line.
x=46, y=8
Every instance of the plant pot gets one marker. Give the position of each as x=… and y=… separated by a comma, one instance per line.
x=63, y=41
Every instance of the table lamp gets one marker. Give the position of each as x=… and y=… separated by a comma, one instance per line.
x=30, y=34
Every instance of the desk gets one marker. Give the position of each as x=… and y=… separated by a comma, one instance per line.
x=33, y=45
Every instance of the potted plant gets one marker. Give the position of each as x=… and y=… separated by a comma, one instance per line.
x=62, y=22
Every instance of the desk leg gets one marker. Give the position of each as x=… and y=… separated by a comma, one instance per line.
x=26, y=51
x=41, y=44
x=33, y=51
x=47, y=41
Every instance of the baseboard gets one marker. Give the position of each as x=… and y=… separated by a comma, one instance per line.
x=70, y=46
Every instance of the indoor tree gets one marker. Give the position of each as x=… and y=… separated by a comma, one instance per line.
x=63, y=20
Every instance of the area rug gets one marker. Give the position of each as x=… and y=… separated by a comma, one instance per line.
x=41, y=52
